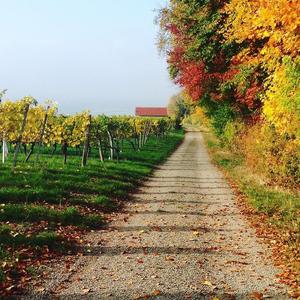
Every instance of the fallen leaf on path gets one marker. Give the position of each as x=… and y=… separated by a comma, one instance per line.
x=156, y=293
x=208, y=283
x=169, y=258
x=86, y=291
x=156, y=228
x=257, y=296
x=199, y=262
x=142, y=297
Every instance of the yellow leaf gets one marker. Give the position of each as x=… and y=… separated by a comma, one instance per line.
x=206, y=282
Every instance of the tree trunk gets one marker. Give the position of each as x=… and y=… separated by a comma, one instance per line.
x=65, y=152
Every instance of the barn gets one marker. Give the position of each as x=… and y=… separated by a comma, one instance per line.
x=151, y=111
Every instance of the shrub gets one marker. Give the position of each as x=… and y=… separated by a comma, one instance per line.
x=270, y=153
x=220, y=113
x=221, y=117
x=231, y=133
x=282, y=99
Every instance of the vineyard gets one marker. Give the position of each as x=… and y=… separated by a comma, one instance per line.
x=24, y=123
x=62, y=174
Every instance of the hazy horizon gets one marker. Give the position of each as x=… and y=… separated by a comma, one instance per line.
x=96, y=55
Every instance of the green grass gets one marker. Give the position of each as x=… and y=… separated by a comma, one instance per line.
x=35, y=213
x=63, y=195
x=11, y=238
x=53, y=182
x=282, y=207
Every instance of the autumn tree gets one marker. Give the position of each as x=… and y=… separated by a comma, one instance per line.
x=239, y=61
x=178, y=108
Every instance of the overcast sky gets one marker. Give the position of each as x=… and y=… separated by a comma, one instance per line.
x=84, y=54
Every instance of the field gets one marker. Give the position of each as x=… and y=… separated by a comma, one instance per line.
x=46, y=206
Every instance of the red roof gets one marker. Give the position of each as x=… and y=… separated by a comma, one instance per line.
x=151, y=111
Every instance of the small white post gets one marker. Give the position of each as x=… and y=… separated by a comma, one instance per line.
x=3, y=151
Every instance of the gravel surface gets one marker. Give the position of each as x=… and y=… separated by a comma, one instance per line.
x=182, y=238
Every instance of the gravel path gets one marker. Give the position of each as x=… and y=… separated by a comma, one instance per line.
x=182, y=238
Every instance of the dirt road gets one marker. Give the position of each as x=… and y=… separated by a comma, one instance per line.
x=182, y=238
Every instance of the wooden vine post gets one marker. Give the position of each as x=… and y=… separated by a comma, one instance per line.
x=30, y=152
x=19, y=140
x=42, y=134
x=65, y=145
x=86, y=143
x=135, y=136
x=147, y=132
